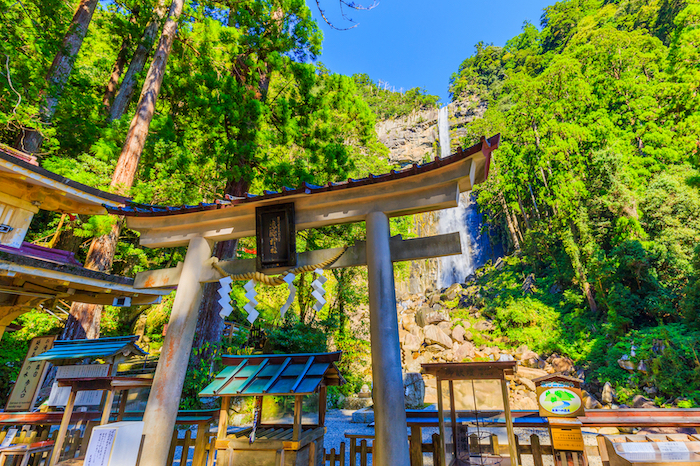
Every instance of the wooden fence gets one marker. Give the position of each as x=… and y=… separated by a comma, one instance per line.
x=361, y=450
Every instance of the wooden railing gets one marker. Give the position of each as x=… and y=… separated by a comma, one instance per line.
x=361, y=450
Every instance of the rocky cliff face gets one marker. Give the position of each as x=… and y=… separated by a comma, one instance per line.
x=413, y=138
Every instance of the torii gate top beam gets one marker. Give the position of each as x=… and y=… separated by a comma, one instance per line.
x=432, y=186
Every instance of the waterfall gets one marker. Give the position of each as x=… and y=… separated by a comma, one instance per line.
x=465, y=219
x=444, y=131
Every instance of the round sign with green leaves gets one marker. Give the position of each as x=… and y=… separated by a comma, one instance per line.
x=560, y=401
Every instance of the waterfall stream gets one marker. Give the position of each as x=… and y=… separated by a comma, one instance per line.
x=465, y=219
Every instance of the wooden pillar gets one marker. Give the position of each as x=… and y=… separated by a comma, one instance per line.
x=123, y=397
x=296, y=431
x=161, y=410
x=441, y=421
x=512, y=448
x=65, y=420
x=322, y=400
x=109, y=399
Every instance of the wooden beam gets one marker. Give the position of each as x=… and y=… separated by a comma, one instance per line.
x=433, y=190
x=356, y=256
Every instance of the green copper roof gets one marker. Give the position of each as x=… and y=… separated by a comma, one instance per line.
x=275, y=374
x=97, y=348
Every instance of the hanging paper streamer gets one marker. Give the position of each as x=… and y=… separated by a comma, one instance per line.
x=289, y=278
x=225, y=297
x=318, y=291
x=252, y=302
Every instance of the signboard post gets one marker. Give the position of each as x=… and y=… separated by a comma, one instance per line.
x=275, y=236
x=31, y=376
x=559, y=399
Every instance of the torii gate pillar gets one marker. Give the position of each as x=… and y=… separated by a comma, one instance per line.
x=161, y=410
x=391, y=444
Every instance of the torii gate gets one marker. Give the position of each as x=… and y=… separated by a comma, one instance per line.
x=432, y=186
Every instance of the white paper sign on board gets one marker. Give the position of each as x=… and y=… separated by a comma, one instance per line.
x=9, y=437
x=99, y=449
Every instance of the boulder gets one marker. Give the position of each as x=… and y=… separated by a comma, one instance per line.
x=529, y=384
x=446, y=327
x=413, y=390
x=589, y=401
x=651, y=391
x=608, y=431
x=463, y=351
x=468, y=335
x=642, y=367
x=523, y=402
x=453, y=291
x=408, y=322
x=484, y=326
x=625, y=363
x=354, y=402
x=640, y=401
x=458, y=333
x=608, y=394
x=435, y=335
x=411, y=342
x=434, y=349
x=505, y=357
x=563, y=365
x=426, y=316
x=529, y=284
x=530, y=373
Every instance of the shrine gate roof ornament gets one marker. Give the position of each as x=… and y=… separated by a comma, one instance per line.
x=418, y=188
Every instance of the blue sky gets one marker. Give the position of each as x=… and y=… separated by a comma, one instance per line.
x=419, y=43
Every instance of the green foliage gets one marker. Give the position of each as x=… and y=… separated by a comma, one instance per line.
x=596, y=179
x=387, y=103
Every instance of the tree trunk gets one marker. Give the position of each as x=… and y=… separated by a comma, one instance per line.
x=136, y=137
x=509, y=222
x=84, y=319
x=138, y=62
x=117, y=69
x=102, y=249
x=59, y=72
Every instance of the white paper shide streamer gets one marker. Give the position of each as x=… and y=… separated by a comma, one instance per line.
x=289, y=278
x=252, y=302
x=225, y=297
x=318, y=291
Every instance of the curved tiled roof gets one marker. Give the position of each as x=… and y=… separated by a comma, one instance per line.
x=147, y=210
x=28, y=162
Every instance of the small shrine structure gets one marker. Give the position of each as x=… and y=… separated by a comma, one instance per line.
x=32, y=276
x=294, y=438
x=81, y=379
x=457, y=382
x=418, y=188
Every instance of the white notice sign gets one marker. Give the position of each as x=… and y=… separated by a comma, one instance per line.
x=7, y=441
x=672, y=447
x=59, y=395
x=100, y=447
x=637, y=447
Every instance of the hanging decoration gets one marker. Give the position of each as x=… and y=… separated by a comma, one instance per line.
x=225, y=297
x=289, y=278
x=250, y=306
x=319, y=292
x=285, y=278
